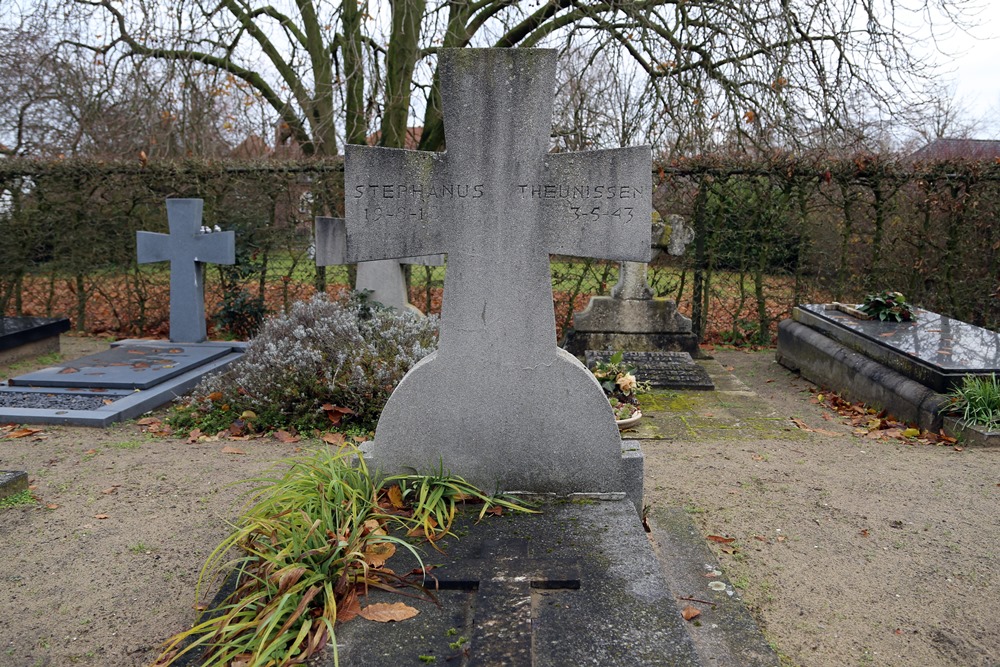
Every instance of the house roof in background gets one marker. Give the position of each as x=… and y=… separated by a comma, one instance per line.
x=958, y=149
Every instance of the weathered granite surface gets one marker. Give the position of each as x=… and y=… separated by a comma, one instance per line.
x=576, y=585
x=631, y=318
x=498, y=402
x=187, y=249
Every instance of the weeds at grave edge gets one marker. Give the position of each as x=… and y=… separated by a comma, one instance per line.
x=311, y=543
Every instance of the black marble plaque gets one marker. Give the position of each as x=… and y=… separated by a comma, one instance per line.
x=666, y=370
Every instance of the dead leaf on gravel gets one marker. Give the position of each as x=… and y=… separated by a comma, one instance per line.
x=148, y=421
x=333, y=438
x=112, y=489
x=232, y=450
x=90, y=452
x=286, y=437
x=102, y=517
x=689, y=612
x=383, y=612
x=194, y=435
x=720, y=539
x=23, y=432
x=52, y=506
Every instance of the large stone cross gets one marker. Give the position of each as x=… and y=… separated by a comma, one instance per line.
x=187, y=249
x=499, y=402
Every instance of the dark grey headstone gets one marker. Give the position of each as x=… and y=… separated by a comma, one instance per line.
x=499, y=403
x=17, y=331
x=187, y=249
x=12, y=482
x=577, y=585
x=123, y=367
x=934, y=350
x=668, y=370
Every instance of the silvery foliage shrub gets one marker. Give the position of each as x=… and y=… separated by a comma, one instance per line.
x=350, y=354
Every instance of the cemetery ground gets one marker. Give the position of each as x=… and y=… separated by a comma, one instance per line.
x=849, y=546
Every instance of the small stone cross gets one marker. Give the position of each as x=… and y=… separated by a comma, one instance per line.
x=499, y=402
x=504, y=577
x=187, y=249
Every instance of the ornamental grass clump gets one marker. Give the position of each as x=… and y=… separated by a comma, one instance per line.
x=977, y=401
x=322, y=362
x=314, y=540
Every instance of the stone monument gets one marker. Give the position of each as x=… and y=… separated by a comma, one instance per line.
x=499, y=403
x=631, y=318
x=136, y=376
x=382, y=278
x=187, y=249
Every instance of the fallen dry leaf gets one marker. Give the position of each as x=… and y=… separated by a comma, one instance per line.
x=286, y=437
x=90, y=452
x=22, y=432
x=52, y=506
x=395, y=496
x=333, y=438
x=349, y=608
x=377, y=554
x=689, y=612
x=194, y=435
x=113, y=489
x=232, y=450
x=721, y=539
x=148, y=421
x=383, y=612
x=102, y=517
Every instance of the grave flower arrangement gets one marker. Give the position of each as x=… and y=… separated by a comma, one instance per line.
x=887, y=306
x=620, y=385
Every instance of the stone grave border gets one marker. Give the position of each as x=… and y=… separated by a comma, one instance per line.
x=131, y=404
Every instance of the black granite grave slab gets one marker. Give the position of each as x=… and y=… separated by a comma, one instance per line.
x=17, y=331
x=12, y=482
x=667, y=370
x=934, y=350
x=578, y=584
x=137, y=366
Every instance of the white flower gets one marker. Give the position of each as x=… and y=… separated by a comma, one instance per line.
x=626, y=383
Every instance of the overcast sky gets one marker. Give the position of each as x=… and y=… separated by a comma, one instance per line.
x=976, y=66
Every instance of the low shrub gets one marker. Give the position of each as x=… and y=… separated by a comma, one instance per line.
x=322, y=362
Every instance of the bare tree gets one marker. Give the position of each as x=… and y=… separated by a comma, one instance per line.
x=337, y=71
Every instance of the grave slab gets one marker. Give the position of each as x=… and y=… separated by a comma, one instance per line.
x=140, y=366
x=934, y=350
x=578, y=584
x=667, y=370
x=22, y=337
x=187, y=249
x=828, y=363
x=97, y=405
x=499, y=403
x=12, y=482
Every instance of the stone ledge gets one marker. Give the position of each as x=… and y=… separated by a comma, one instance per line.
x=970, y=435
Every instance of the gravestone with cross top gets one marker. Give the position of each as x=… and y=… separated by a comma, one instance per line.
x=499, y=403
x=187, y=249
x=383, y=278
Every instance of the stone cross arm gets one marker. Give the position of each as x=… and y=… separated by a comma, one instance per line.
x=408, y=203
